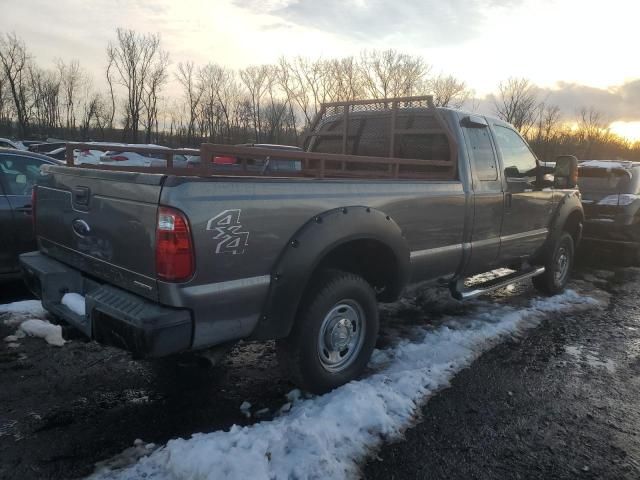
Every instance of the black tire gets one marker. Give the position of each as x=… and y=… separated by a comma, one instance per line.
x=557, y=271
x=333, y=305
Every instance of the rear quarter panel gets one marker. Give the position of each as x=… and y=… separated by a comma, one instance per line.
x=261, y=215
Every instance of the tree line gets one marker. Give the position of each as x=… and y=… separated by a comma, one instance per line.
x=260, y=103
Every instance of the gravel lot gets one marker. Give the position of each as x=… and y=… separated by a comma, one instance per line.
x=560, y=401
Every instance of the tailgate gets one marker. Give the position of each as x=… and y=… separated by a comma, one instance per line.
x=102, y=223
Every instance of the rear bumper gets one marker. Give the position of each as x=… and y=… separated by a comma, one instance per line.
x=113, y=316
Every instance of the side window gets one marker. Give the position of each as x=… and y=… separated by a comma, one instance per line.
x=19, y=174
x=481, y=151
x=519, y=162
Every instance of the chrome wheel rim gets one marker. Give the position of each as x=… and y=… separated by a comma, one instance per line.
x=562, y=265
x=341, y=336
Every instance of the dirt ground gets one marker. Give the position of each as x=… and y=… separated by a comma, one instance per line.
x=559, y=402
x=562, y=402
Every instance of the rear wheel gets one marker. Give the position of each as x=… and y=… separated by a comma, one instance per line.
x=557, y=267
x=334, y=334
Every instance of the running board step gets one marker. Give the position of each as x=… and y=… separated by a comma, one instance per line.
x=495, y=284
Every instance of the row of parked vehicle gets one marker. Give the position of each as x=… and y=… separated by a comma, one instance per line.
x=155, y=156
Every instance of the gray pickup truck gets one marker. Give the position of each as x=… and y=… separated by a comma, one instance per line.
x=390, y=192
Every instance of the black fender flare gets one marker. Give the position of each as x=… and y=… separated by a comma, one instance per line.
x=306, y=249
x=570, y=204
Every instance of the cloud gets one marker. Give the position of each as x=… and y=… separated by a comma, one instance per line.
x=616, y=103
x=428, y=22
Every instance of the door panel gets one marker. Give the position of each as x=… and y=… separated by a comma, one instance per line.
x=527, y=207
x=22, y=223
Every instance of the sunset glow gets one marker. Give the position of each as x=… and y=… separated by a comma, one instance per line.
x=628, y=130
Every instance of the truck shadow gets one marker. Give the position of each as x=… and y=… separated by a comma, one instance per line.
x=590, y=257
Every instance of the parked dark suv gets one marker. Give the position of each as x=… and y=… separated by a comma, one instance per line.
x=610, y=197
x=18, y=174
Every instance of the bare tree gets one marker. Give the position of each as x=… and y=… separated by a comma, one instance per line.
x=591, y=131
x=220, y=92
x=71, y=80
x=545, y=137
x=14, y=61
x=156, y=80
x=255, y=79
x=517, y=103
x=292, y=84
x=187, y=77
x=389, y=73
x=90, y=108
x=45, y=98
x=112, y=95
x=448, y=91
x=134, y=58
x=348, y=84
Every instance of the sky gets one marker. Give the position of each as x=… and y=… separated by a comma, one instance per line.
x=583, y=53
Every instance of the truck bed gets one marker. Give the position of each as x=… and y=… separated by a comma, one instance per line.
x=240, y=226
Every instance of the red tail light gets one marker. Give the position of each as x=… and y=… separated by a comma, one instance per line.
x=118, y=158
x=174, y=249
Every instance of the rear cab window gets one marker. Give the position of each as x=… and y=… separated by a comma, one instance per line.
x=481, y=152
x=370, y=136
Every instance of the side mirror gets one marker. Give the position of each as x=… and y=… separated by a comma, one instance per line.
x=547, y=180
x=566, y=172
x=512, y=173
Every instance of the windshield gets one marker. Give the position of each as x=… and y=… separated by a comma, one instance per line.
x=604, y=180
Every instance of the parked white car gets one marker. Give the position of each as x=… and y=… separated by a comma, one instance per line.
x=91, y=157
x=133, y=159
x=14, y=144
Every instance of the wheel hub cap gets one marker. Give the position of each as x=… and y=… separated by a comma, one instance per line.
x=562, y=264
x=341, y=335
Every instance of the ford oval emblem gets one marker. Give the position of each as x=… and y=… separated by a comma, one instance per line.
x=81, y=227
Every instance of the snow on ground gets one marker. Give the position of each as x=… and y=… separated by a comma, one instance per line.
x=128, y=456
x=23, y=308
x=52, y=334
x=328, y=436
x=30, y=318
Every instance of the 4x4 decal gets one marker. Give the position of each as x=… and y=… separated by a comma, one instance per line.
x=228, y=232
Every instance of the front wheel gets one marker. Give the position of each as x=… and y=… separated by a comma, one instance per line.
x=557, y=267
x=334, y=334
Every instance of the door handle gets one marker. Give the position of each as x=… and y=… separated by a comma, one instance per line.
x=81, y=195
x=508, y=197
